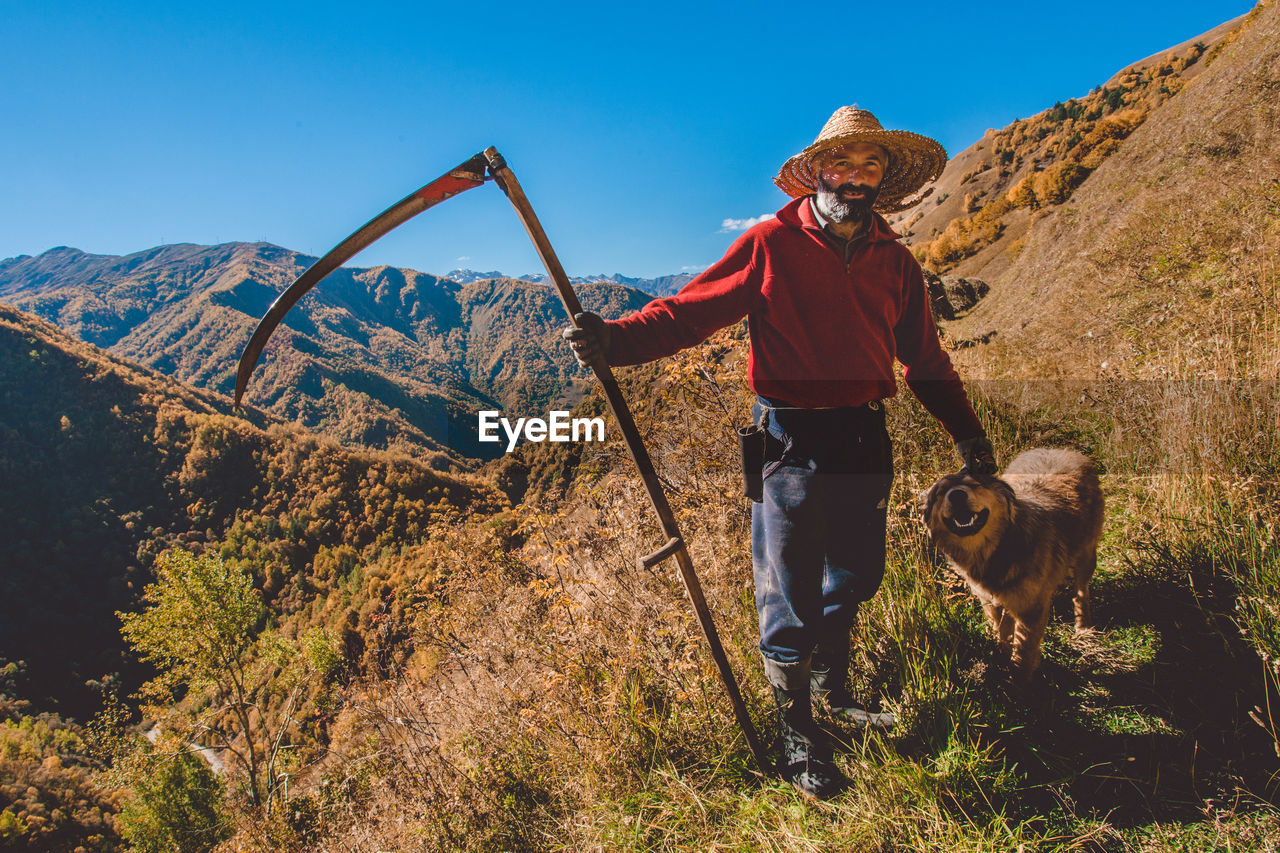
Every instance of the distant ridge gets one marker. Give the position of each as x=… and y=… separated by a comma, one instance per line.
x=378, y=357
x=661, y=286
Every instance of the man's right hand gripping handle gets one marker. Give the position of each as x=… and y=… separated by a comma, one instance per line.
x=590, y=340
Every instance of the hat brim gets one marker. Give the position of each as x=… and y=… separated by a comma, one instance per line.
x=914, y=160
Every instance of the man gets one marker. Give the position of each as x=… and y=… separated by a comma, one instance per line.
x=831, y=299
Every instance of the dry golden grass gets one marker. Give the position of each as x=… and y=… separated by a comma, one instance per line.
x=559, y=697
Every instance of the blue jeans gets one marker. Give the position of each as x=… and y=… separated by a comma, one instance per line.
x=818, y=538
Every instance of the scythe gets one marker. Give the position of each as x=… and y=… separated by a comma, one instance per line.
x=490, y=165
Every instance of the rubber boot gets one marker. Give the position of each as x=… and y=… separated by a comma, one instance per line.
x=829, y=681
x=806, y=753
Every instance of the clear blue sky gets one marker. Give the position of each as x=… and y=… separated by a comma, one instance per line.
x=635, y=130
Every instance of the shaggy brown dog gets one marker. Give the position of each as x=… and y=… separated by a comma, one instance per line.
x=1017, y=538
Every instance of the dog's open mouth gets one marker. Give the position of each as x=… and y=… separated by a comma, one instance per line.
x=964, y=522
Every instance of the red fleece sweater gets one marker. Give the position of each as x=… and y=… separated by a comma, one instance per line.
x=822, y=333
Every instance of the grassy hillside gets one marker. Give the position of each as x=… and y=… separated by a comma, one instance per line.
x=981, y=206
x=1162, y=262
x=1134, y=228
x=555, y=696
x=377, y=358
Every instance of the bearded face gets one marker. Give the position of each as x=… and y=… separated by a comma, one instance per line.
x=847, y=202
x=848, y=180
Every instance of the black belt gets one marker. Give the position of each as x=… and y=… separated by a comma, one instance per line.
x=770, y=405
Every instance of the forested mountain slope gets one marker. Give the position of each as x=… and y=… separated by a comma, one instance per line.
x=377, y=358
x=104, y=463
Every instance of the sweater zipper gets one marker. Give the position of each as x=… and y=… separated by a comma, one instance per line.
x=853, y=247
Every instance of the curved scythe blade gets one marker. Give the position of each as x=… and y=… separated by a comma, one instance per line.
x=464, y=177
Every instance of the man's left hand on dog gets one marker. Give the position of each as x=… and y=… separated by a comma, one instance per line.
x=978, y=455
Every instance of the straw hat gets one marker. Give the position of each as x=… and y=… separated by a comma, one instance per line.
x=914, y=160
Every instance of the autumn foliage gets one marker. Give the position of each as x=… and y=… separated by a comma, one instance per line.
x=1041, y=160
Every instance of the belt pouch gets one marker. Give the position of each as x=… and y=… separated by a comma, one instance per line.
x=751, y=444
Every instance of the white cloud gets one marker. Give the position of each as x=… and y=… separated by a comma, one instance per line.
x=694, y=267
x=744, y=224
x=465, y=258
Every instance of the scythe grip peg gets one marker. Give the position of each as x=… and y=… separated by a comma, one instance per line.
x=496, y=160
x=648, y=561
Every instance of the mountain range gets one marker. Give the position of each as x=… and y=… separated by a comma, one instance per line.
x=661, y=286
x=377, y=357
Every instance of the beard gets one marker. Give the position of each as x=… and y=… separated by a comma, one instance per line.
x=835, y=206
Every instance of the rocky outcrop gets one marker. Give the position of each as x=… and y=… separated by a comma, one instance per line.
x=950, y=296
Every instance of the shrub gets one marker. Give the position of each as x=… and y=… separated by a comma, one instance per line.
x=177, y=803
x=1055, y=184
x=1023, y=193
x=1115, y=126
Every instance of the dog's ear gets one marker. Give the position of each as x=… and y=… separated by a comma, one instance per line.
x=1004, y=492
x=924, y=500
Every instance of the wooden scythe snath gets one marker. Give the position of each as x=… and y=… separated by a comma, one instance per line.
x=465, y=176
